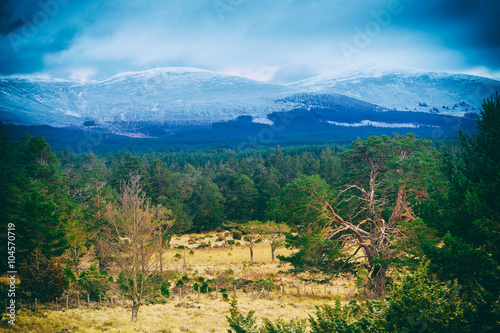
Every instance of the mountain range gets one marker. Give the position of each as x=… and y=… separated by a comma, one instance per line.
x=166, y=101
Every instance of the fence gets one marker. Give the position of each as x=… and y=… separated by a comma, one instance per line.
x=299, y=290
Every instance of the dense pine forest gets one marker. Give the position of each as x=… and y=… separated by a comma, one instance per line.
x=415, y=223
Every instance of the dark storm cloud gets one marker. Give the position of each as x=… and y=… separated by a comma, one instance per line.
x=471, y=26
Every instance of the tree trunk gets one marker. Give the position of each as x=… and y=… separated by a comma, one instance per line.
x=376, y=282
x=251, y=252
x=272, y=253
x=135, y=310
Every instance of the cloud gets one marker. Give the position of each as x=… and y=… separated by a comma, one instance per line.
x=279, y=41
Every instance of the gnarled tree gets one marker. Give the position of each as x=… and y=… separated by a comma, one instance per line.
x=386, y=173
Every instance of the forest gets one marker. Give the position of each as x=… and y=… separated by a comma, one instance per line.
x=414, y=223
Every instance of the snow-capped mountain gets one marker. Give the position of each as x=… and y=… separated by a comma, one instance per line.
x=407, y=89
x=160, y=95
x=140, y=103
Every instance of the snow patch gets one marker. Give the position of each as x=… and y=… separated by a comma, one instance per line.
x=376, y=124
x=263, y=120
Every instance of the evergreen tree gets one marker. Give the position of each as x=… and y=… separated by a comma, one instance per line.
x=467, y=218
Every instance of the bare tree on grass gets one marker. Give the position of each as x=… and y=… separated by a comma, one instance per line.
x=133, y=230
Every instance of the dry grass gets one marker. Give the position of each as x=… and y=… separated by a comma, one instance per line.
x=189, y=314
x=205, y=313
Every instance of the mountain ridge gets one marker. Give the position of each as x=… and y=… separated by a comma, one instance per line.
x=185, y=96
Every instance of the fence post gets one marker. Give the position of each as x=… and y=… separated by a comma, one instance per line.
x=100, y=300
x=298, y=290
x=88, y=300
x=67, y=303
x=36, y=305
x=78, y=300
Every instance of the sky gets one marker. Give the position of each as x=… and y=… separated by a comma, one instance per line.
x=277, y=41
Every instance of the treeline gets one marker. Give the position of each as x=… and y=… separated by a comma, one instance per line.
x=58, y=201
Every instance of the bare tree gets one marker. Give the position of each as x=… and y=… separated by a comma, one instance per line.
x=132, y=238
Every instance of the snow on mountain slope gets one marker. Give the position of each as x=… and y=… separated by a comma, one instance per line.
x=157, y=95
x=177, y=96
x=407, y=89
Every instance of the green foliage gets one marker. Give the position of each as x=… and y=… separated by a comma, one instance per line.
x=423, y=303
x=317, y=255
x=206, y=205
x=418, y=303
x=165, y=289
x=466, y=215
x=237, y=235
x=203, y=287
x=300, y=201
x=68, y=273
x=351, y=318
x=41, y=278
x=240, y=323
x=281, y=326
x=94, y=282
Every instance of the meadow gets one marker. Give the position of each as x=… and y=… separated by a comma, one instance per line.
x=188, y=311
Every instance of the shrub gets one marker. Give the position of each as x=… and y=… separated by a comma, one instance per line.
x=204, y=288
x=94, y=282
x=421, y=302
x=41, y=278
x=240, y=323
x=237, y=235
x=351, y=318
x=230, y=241
x=164, y=289
x=293, y=326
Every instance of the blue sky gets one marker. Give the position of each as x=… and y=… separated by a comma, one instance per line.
x=277, y=41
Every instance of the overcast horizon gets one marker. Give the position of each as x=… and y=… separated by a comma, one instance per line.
x=279, y=42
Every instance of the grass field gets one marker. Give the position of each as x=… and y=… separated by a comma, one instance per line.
x=191, y=312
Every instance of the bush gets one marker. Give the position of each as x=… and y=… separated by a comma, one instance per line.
x=230, y=241
x=203, y=288
x=240, y=323
x=164, y=289
x=41, y=278
x=237, y=235
x=247, y=324
x=94, y=282
x=351, y=318
x=293, y=326
x=419, y=303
